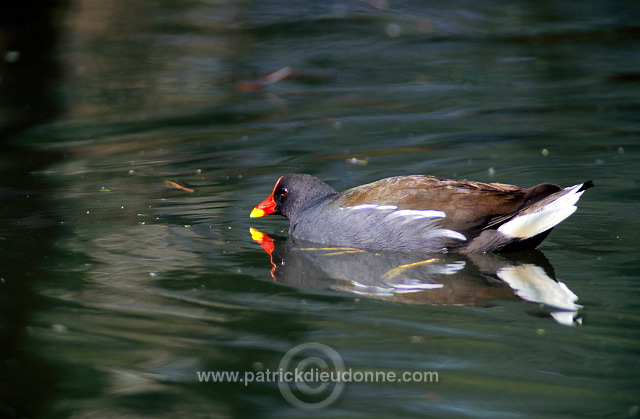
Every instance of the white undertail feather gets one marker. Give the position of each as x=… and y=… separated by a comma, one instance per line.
x=546, y=217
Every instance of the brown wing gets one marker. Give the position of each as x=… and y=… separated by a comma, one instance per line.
x=468, y=205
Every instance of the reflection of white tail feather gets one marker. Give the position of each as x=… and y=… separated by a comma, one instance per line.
x=546, y=217
x=532, y=283
x=566, y=318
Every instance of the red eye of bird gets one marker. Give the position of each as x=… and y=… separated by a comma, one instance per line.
x=284, y=192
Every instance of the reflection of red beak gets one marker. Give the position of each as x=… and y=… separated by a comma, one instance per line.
x=263, y=240
x=266, y=243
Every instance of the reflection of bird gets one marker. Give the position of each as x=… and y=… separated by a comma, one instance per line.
x=420, y=278
x=421, y=213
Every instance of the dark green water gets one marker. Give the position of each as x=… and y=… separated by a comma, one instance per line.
x=117, y=288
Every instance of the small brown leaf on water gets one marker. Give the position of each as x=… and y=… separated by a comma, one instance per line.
x=175, y=185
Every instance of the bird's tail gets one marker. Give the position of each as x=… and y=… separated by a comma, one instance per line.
x=545, y=214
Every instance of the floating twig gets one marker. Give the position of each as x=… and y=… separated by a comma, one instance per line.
x=177, y=186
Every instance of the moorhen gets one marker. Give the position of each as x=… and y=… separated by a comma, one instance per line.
x=421, y=213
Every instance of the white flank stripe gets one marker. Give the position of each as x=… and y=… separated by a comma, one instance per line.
x=410, y=215
x=417, y=214
x=454, y=235
x=552, y=214
x=360, y=207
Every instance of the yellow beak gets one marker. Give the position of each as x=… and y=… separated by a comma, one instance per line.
x=256, y=212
